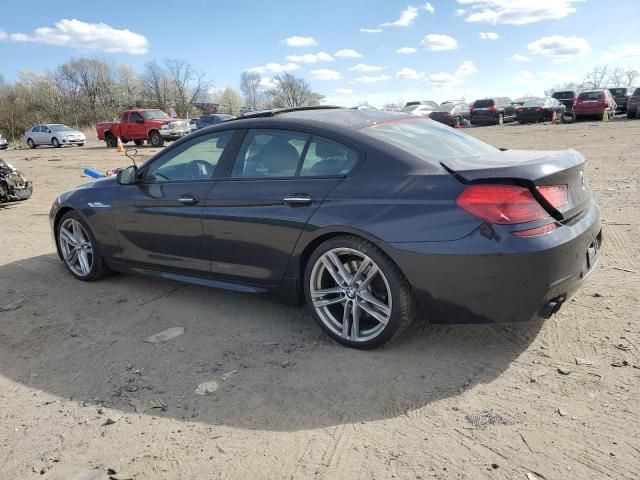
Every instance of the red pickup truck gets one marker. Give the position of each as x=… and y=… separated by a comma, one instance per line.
x=154, y=126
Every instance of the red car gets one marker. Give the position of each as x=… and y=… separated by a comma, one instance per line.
x=593, y=103
x=154, y=126
x=633, y=110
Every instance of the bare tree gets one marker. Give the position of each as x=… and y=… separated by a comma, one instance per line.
x=229, y=101
x=157, y=86
x=597, y=77
x=631, y=78
x=189, y=86
x=129, y=88
x=291, y=92
x=251, y=88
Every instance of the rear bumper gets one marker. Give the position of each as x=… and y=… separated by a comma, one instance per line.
x=530, y=117
x=492, y=276
x=589, y=111
x=484, y=119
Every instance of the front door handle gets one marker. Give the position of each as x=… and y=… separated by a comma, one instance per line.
x=298, y=199
x=189, y=199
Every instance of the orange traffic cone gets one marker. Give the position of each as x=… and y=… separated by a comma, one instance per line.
x=119, y=146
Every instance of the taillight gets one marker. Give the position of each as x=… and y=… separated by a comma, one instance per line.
x=493, y=108
x=556, y=195
x=501, y=204
x=519, y=110
x=538, y=109
x=471, y=109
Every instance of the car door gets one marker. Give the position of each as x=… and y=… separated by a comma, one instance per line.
x=136, y=127
x=46, y=135
x=159, y=219
x=253, y=218
x=35, y=134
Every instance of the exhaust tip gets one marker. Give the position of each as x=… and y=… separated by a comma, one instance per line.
x=552, y=306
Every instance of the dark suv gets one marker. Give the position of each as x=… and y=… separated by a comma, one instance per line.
x=621, y=96
x=567, y=98
x=633, y=107
x=494, y=111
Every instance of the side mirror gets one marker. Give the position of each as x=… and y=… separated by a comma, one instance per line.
x=127, y=176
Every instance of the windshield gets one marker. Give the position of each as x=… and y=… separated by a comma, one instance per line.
x=618, y=91
x=447, y=107
x=154, y=115
x=426, y=138
x=534, y=102
x=569, y=94
x=60, y=128
x=591, y=96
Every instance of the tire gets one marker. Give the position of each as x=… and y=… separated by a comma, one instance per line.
x=139, y=143
x=80, y=144
x=97, y=268
x=630, y=115
x=4, y=191
x=155, y=139
x=521, y=122
x=568, y=117
x=55, y=143
x=387, y=287
x=500, y=120
x=111, y=141
x=31, y=143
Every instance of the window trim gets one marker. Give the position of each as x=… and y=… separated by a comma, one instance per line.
x=360, y=157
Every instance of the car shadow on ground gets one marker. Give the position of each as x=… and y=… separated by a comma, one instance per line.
x=273, y=367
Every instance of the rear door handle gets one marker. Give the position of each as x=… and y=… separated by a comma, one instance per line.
x=298, y=199
x=189, y=199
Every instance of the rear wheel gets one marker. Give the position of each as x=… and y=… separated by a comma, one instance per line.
x=356, y=293
x=55, y=143
x=31, y=143
x=155, y=139
x=79, y=249
x=111, y=141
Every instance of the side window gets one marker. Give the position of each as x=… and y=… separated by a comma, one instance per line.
x=326, y=157
x=269, y=153
x=36, y=129
x=135, y=117
x=125, y=117
x=46, y=129
x=193, y=160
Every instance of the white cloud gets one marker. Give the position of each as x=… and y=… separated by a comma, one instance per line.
x=348, y=53
x=438, y=42
x=560, y=48
x=373, y=79
x=525, y=77
x=266, y=82
x=466, y=68
x=518, y=12
x=406, y=50
x=406, y=18
x=310, y=58
x=489, y=36
x=409, y=74
x=343, y=91
x=274, y=68
x=429, y=8
x=443, y=81
x=363, y=67
x=460, y=12
x=87, y=36
x=519, y=58
x=3, y=35
x=326, y=74
x=370, y=30
x=624, y=51
x=297, y=41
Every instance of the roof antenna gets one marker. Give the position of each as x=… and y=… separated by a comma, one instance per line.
x=134, y=152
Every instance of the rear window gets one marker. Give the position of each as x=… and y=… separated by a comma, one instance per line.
x=564, y=95
x=446, y=107
x=618, y=91
x=586, y=96
x=426, y=138
x=637, y=92
x=483, y=103
x=535, y=102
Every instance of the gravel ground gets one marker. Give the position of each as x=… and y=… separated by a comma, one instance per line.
x=253, y=389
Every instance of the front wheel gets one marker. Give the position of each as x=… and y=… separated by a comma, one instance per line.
x=79, y=248
x=55, y=143
x=111, y=141
x=155, y=139
x=31, y=143
x=356, y=293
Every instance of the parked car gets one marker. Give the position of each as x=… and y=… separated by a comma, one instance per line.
x=452, y=114
x=54, y=134
x=593, y=103
x=512, y=234
x=152, y=125
x=539, y=110
x=634, y=102
x=621, y=96
x=3, y=143
x=496, y=111
x=567, y=98
x=13, y=184
x=208, y=120
x=421, y=108
x=518, y=102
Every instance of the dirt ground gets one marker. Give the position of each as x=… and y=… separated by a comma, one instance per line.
x=82, y=393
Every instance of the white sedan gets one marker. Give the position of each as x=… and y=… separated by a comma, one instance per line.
x=54, y=134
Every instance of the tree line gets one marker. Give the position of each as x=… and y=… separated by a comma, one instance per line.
x=601, y=76
x=85, y=91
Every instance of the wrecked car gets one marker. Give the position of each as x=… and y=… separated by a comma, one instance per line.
x=3, y=143
x=13, y=184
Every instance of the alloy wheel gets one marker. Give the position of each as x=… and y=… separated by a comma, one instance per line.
x=350, y=294
x=75, y=246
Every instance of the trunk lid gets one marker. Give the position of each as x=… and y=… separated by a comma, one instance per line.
x=531, y=169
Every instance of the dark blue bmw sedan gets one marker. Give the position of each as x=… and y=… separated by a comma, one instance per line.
x=370, y=218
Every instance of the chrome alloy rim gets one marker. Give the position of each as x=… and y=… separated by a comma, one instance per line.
x=350, y=294
x=75, y=246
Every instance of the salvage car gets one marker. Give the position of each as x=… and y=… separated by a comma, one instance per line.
x=152, y=125
x=594, y=103
x=621, y=96
x=3, y=143
x=634, y=102
x=53, y=134
x=492, y=111
x=208, y=120
x=13, y=184
x=452, y=114
x=567, y=98
x=370, y=218
x=539, y=110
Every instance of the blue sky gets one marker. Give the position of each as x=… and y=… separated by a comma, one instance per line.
x=451, y=48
